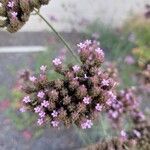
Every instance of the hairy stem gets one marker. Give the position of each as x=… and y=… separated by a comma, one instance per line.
x=58, y=35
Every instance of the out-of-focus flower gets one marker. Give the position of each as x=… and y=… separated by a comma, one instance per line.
x=55, y=123
x=32, y=78
x=26, y=99
x=40, y=121
x=129, y=60
x=41, y=94
x=22, y=109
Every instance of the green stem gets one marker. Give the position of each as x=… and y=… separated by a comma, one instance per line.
x=58, y=35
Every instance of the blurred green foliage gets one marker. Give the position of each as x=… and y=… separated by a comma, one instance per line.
x=140, y=27
x=115, y=44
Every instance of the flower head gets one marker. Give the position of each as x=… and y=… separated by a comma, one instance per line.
x=54, y=113
x=100, y=51
x=86, y=100
x=32, y=78
x=10, y=4
x=17, y=12
x=81, y=93
x=123, y=134
x=41, y=94
x=98, y=107
x=37, y=109
x=22, y=109
x=42, y=114
x=14, y=14
x=57, y=62
x=76, y=68
x=45, y=103
x=137, y=133
x=55, y=123
x=43, y=68
x=105, y=82
x=87, y=124
x=26, y=99
x=40, y=121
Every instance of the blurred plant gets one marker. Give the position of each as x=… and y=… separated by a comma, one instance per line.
x=139, y=26
x=144, y=78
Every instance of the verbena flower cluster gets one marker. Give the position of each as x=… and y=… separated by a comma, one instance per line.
x=84, y=92
x=17, y=12
x=126, y=102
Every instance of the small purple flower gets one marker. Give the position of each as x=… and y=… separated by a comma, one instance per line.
x=37, y=109
x=98, y=107
x=57, y=62
x=10, y=4
x=54, y=113
x=32, y=78
x=142, y=116
x=105, y=82
x=42, y=114
x=14, y=14
x=95, y=35
x=22, y=109
x=88, y=124
x=55, y=123
x=83, y=125
x=114, y=114
x=26, y=99
x=129, y=60
x=109, y=102
x=87, y=100
x=41, y=94
x=137, y=133
x=45, y=103
x=40, y=121
x=100, y=51
x=123, y=134
x=88, y=42
x=76, y=68
x=81, y=45
x=111, y=94
x=43, y=68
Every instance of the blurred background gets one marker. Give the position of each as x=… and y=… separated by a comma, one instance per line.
x=123, y=29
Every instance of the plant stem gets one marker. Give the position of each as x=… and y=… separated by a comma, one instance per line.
x=58, y=35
